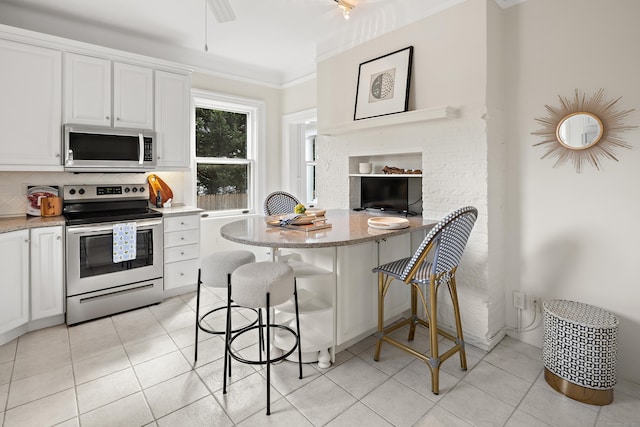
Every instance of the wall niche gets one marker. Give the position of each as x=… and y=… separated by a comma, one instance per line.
x=409, y=185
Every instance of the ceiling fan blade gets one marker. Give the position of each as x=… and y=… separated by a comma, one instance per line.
x=222, y=10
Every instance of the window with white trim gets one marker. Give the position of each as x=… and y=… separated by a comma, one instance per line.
x=311, y=165
x=226, y=134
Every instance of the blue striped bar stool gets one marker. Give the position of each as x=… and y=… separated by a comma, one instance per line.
x=446, y=242
x=215, y=271
x=280, y=202
x=262, y=286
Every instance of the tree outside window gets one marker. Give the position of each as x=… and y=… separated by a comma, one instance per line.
x=223, y=168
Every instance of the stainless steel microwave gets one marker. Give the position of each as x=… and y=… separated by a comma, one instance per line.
x=106, y=149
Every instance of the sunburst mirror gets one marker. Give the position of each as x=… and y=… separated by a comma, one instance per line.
x=583, y=130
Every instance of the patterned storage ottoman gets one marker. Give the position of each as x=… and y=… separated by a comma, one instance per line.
x=579, y=350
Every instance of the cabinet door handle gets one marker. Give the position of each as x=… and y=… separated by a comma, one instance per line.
x=181, y=253
x=107, y=117
x=117, y=118
x=58, y=237
x=182, y=274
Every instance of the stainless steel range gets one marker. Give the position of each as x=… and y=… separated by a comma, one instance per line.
x=98, y=282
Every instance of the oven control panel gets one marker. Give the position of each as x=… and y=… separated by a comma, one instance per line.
x=105, y=192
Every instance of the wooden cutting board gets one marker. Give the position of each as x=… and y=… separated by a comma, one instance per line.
x=157, y=184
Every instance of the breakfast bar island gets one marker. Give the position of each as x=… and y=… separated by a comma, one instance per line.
x=337, y=289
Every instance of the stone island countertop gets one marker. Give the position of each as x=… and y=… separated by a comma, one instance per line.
x=347, y=228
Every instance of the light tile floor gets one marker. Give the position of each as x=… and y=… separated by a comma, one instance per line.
x=135, y=369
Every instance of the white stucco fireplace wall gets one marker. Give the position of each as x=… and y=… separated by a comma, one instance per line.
x=454, y=149
x=454, y=159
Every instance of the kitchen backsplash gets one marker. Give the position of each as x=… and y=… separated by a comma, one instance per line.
x=13, y=185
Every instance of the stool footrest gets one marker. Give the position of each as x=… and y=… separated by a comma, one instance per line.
x=213, y=331
x=283, y=356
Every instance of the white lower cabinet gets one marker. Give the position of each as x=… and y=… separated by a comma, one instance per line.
x=356, y=286
x=47, y=272
x=14, y=287
x=357, y=300
x=181, y=251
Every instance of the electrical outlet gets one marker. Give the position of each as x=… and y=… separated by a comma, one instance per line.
x=537, y=304
x=519, y=300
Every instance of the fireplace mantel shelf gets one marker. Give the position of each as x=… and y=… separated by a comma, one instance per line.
x=391, y=120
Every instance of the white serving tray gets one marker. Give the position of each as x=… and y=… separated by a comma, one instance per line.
x=388, y=223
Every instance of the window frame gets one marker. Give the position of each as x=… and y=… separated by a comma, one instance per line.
x=294, y=175
x=255, y=110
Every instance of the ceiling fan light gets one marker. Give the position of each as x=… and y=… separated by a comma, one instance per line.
x=346, y=8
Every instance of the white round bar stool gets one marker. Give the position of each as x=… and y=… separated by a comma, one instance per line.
x=262, y=285
x=215, y=271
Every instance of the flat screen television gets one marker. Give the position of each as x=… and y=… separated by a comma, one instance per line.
x=385, y=193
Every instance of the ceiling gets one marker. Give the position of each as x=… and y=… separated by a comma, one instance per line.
x=274, y=42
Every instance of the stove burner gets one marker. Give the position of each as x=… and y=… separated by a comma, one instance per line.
x=117, y=215
x=92, y=204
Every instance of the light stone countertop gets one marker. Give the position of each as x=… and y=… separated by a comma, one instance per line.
x=25, y=222
x=177, y=210
x=347, y=228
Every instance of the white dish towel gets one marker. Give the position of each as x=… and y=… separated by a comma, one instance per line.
x=124, y=241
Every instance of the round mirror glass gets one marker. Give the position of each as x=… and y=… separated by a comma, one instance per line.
x=579, y=130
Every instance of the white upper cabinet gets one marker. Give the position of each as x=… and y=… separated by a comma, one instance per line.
x=172, y=107
x=87, y=90
x=30, y=106
x=132, y=96
x=95, y=96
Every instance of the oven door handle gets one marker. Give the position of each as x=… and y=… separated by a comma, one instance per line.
x=141, y=224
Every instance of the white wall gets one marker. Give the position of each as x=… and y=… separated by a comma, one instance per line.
x=573, y=236
x=449, y=68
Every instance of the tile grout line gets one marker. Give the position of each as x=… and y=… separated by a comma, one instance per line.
x=13, y=366
x=131, y=366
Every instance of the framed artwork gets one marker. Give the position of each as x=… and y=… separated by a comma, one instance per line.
x=383, y=85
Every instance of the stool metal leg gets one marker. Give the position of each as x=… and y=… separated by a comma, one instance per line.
x=268, y=308
x=434, y=360
x=195, y=358
x=380, y=334
x=229, y=329
x=414, y=311
x=227, y=337
x=295, y=296
x=456, y=310
x=261, y=346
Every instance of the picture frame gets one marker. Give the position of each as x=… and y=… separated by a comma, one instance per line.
x=383, y=85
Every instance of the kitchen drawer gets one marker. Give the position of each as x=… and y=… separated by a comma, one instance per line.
x=179, y=238
x=182, y=273
x=181, y=253
x=179, y=223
